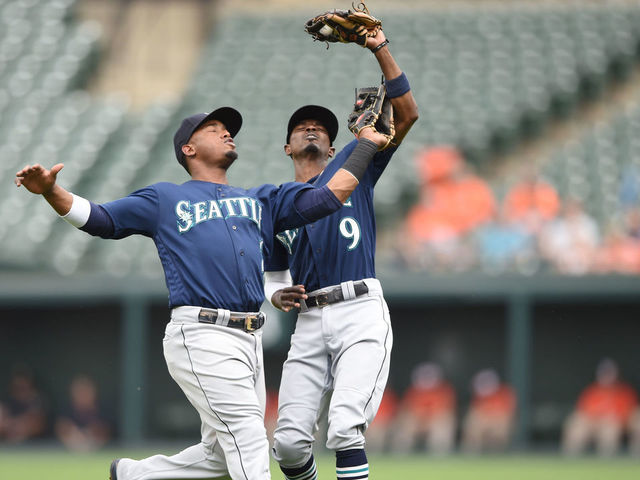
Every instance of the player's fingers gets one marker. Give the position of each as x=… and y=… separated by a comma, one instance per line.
x=291, y=302
x=18, y=181
x=289, y=305
x=291, y=297
x=25, y=169
x=295, y=288
x=56, y=168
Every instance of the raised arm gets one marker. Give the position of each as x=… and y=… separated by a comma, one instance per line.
x=405, y=108
x=315, y=203
x=346, y=179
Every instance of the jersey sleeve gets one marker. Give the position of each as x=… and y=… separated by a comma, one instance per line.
x=280, y=202
x=136, y=213
x=277, y=258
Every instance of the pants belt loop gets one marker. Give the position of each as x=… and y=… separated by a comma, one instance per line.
x=348, y=290
x=223, y=317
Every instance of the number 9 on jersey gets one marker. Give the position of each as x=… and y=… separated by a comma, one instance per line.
x=350, y=229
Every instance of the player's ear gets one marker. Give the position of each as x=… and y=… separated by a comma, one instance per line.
x=188, y=150
x=287, y=150
x=332, y=151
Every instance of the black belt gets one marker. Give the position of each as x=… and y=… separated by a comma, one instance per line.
x=334, y=295
x=248, y=322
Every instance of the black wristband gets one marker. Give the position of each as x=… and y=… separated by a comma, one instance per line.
x=360, y=158
x=378, y=47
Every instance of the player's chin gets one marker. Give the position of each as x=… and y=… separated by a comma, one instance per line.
x=311, y=148
x=231, y=155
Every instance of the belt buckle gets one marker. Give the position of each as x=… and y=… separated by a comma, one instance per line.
x=251, y=323
x=207, y=316
x=322, y=299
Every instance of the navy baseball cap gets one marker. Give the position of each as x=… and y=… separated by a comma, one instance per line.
x=314, y=112
x=227, y=115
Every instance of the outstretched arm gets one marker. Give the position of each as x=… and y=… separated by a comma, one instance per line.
x=40, y=181
x=405, y=108
x=76, y=210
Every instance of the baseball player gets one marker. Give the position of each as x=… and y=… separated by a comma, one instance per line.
x=339, y=355
x=210, y=236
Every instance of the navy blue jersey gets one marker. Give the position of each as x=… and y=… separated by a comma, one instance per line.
x=341, y=246
x=210, y=237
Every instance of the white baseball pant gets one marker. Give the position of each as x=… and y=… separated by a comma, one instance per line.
x=220, y=370
x=339, y=354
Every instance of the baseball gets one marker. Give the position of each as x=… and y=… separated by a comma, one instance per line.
x=326, y=30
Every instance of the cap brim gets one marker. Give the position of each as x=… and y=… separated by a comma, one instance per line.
x=314, y=112
x=229, y=116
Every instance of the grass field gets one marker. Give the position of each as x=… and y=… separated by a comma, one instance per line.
x=59, y=465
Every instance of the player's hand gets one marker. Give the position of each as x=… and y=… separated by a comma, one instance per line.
x=38, y=179
x=376, y=137
x=287, y=298
x=373, y=42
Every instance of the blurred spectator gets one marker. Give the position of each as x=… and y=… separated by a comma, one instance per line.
x=629, y=193
x=452, y=203
x=531, y=202
x=271, y=413
x=632, y=223
x=506, y=246
x=634, y=433
x=83, y=426
x=427, y=411
x=602, y=413
x=619, y=253
x=569, y=243
x=23, y=414
x=489, y=422
x=378, y=434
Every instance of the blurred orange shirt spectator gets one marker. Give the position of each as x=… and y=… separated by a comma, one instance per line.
x=531, y=196
x=617, y=400
x=603, y=414
x=387, y=409
x=452, y=202
x=379, y=432
x=498, y=403
x=427, y=410
x=489, y=422
x=429, y=402
x=271, y=412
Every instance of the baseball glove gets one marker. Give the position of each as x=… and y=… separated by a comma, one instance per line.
x=373, y=109
x=344, y=26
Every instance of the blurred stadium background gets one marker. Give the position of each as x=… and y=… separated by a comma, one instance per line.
x=507, y=90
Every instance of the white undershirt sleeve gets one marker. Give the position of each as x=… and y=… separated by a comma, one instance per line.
x=275, y=281
x=78, y=215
